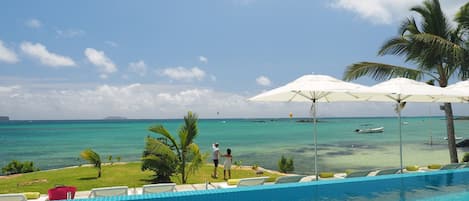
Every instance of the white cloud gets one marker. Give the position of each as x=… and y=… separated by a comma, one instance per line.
x=33, y=23
x=389, y=11
x=138, y=67
x=263, y=81
x=70, y=33
x=7, y=55
x=8, y=89
x=184, y=74
x=111, y=43
x=39, y=51
x=203, y=59
x=100, y=60
x=58, y=101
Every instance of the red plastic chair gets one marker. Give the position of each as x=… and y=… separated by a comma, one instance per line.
x=60, y=192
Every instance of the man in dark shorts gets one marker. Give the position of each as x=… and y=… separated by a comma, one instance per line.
x=216, y=153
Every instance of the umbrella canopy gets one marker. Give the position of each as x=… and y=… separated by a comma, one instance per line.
x=312, y=88
x=401, y=90
x=407, y=90
x=462, y=88
x=317, y=88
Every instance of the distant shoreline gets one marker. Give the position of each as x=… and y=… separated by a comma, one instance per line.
x=228, y=118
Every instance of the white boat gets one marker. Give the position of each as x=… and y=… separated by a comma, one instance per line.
x=457, y=138
x=370, y=130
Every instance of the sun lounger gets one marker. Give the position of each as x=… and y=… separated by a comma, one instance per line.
x=13, y=197
x=465, y=165
x=388, y=171
x=451, y=166
x=358, y=174
x=109, y=191
x=255, y=181
x=158, y=188
x=288, y=179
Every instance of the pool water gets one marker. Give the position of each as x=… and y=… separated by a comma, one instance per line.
x=425, y=186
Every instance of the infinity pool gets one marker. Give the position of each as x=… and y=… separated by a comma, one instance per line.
x=436, y=186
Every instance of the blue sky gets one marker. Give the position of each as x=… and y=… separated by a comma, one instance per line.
x=159, y=59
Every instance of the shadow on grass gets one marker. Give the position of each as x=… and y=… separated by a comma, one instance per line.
x=88, y=178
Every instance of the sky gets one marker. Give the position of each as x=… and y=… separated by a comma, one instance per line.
x=159, y=59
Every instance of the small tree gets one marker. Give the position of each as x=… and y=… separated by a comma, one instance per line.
x=189, y=157
x=93, y=158
x=109, y=158
x=285, y=165
x=17, y=167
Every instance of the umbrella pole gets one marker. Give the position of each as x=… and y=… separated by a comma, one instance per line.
x=400, y=131
x=313, y=108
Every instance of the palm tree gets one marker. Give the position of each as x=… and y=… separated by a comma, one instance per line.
x=187, y=151
x=437, y=49
x=93, y=158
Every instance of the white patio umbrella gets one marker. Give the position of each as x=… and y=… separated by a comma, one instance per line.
x=312, y=88
x=462, y=88
x=401, y=90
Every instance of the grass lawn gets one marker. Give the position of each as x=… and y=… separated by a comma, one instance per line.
x=84, y=178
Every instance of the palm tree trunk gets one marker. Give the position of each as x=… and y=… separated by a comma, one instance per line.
x=183, y=168
x=453, y=153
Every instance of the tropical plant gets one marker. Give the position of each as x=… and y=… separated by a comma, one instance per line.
x=109, y=158
x=17, y=167
x=189, y=158
x=93, y=158
x=285, y=165
x=439, y=52
x=465, y=158
x=238, y=163
x=160, y=158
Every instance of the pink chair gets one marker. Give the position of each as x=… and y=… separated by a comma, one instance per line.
x=60, y=192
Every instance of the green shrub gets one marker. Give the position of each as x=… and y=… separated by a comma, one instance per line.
x=285, y=165
x=465, y=158
x=17, y=167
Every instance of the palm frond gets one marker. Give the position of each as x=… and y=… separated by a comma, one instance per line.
x=395, y=46
x=196, y=159
x=462, y=17
x=156, y=147
x=410, y=26
x=434, y=21
x=380, y=71
x=159, y=129
x=442, y=45
x=191, y=126
x=91, y=156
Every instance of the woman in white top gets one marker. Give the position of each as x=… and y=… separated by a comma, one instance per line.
x=227, y=163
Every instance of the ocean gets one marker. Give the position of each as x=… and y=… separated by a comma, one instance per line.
x=56, y=144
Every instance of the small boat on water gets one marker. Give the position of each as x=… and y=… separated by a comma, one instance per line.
x=370, y=130
x=457, y=138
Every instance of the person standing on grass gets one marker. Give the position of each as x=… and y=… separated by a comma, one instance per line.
x=216, y=153
x=227, y=164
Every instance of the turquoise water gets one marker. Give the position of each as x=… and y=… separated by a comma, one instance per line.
x=54, y=144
